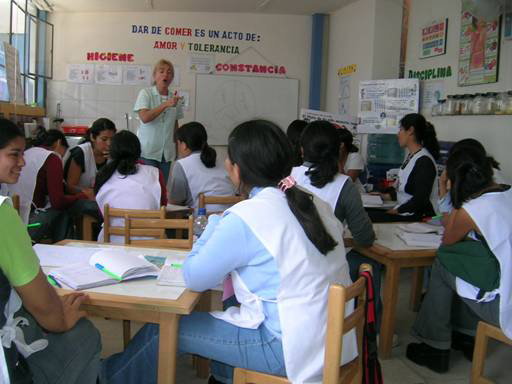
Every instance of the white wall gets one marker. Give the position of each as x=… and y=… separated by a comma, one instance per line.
x=495, y=132
x=284, y=40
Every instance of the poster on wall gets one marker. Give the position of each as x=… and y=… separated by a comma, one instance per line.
x=108, y=74
x=137, y=74
x=431, y=92
x=479, y=47
x=382, y=103
x=80, y=73
x=200, y=63
x=342, y=121
x=433, y=38
x=345, y=75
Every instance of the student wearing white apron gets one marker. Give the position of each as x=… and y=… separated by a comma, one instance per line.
x=197, y=170
x=281, y=270
x=84, y=162
x=351, y=161
x=452, y=307
x=416, y=189
x=127, y=184
x=39, y=331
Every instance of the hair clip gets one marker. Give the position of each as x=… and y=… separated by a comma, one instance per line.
x=286, y=183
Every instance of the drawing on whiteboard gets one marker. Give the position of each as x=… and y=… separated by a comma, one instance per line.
x=234, y=102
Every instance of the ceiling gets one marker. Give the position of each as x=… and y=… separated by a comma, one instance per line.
x=290, y=7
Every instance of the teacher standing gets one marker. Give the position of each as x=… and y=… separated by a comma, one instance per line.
x=159, y=110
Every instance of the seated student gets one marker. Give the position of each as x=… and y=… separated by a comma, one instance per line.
x=125, y=183
x=351, y=162
x=416, y=188
x=445, y=203
x=282, y=259
x=41, y=188
x=482, y=211
x=39, y=331
x=293, y=133
x=85, y=160
x=319, y=174
x=196, y=170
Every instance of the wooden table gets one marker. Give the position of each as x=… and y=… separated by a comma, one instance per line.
x=143, y=301
x=389, y=250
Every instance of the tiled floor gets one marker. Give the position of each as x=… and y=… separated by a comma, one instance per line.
x=397, y=370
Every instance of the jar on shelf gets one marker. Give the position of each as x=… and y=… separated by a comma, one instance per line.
x=466, y=102
x=491, y=102
x=502, y=100
x=509, y=103
x=479, y=105
x=449, y=106
x=439, y=107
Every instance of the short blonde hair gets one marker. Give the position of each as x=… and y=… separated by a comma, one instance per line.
x=162, y=63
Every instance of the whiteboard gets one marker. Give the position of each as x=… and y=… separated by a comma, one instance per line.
x=224, y=101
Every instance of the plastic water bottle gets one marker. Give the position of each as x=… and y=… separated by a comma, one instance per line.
x=200, y=222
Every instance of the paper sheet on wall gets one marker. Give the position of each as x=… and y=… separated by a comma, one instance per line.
x=382, y=103
x=12, y=69
x=185, y=98
x=431, y=92
x=137, y=74
x=108, y=74
x=200, y=63
x=344, y=96
x=346, y=121
x=80, y=73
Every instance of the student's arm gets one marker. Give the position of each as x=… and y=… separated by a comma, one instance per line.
x=457, y=225
x=354, y=174
x=179, y=190
x=54, y=184
x=349, y=207
x=147, y=114
x=163, y=189
x=419, y=185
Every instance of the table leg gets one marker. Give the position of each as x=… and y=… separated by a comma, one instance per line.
x=416, y=288
x=387, y=326
x=167, y=348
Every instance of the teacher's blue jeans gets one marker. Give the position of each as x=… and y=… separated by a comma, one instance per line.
x=201, y=334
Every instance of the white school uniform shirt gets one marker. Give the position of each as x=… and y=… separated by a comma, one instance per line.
x=35, y=158
x=305, y=276
x=330, y=192
x=210, y=181
x=492, y=213
x=88, y=177
x=141, y=190
x=403, y=197
x=356, y=162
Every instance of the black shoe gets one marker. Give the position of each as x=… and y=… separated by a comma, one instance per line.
x=212, y=380
x=464, y=343
x=435, y=359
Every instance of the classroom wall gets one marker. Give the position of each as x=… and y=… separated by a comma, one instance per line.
x=283, y=40
x=495, y=132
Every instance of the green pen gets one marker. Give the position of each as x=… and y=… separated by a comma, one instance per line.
x=53, y=282
x=102, y=268
x=34, y=225
x=176, y=265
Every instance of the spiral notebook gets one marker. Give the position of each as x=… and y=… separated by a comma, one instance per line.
x=105, y=267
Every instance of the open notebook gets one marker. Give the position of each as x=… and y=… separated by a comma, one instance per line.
x=108, y=266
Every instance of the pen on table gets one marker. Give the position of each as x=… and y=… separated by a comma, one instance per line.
x=176, y=265
x=433, y=217
x=102, y=268
x=53, y=281
x=33, y=225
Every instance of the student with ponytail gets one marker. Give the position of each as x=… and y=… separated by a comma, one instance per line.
x=471, y=278
x=282, y=247
x=416, y=190
x=41, y=188
x=127, y=184
x=197, y=170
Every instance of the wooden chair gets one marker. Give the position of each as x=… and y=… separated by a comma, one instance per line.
x=337, y=326
x=87, y=223
x=109, y=230
x=146, y=227
x=205, y=200
x=16, y=202
x=483, y=333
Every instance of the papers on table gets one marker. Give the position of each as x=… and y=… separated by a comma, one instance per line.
x=375, y=201
x=420, y=234
x=171, y=274
x=421, y=228
x=61, y=255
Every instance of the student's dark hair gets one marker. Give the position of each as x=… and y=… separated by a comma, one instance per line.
x=194, y=135
x=347, y=139
x=293, y=133
x=124, y=153
x=469, y=172
x=48, y=138
x=264, y=156
x=473, y=143
x=424, y=132
x=8, y=132
x=98, y=126
x=321, y=145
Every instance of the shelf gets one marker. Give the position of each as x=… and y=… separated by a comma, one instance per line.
x=8, y=109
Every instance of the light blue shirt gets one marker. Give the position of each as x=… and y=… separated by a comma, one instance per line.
x=228, y=244
x=156, y=137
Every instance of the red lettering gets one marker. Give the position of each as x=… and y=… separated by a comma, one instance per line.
x=90, y=55
x=263, y=69
x=102, y=56
x=109, y=56
x=129, y=57
x=218, y=67
x=282, y=70
x=96, y=55
x=114, y=57
x=255, y=69
x=270, y=69
x=232, y=67
x=122, y=57
x=240, y=67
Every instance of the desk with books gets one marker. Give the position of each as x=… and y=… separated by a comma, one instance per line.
x=144, y=301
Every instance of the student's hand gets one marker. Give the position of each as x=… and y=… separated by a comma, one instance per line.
x=392, y=212
x=172, y=101
x=89, y=192
x=71, y=308
x=444, y=184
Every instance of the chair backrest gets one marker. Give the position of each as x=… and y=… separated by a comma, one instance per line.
x=16, y=202
x=205, y=200
x=145, y=227
x=109, y=213
x=338, y=325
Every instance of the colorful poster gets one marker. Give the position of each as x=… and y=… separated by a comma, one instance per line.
x=479, y=47
x=433, y=38
x=345, y=75
x=382, y=103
